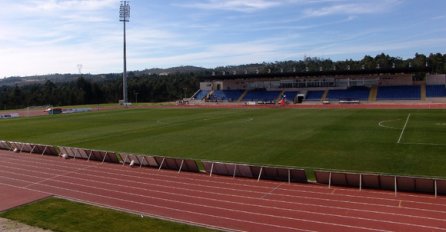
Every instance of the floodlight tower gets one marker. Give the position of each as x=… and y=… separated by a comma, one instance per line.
x=124, y=16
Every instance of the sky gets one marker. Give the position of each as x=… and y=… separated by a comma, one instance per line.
x=59, y=36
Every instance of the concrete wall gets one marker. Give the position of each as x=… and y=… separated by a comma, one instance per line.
x=206, y=86
x=392, y=80
x=436, y=79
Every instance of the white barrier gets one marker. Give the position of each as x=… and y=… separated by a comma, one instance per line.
x=10, y=115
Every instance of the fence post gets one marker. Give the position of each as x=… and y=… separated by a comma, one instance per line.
x=33, y=149
x=44, y=150
x=235, y=170
x=181, y=166
x=260, y=174
x=395, y=186
x=125, y=159
x=162, y=162
x=435, y=188
x=212, y=168
x=106, y=153
x=89, y=156
x=329, y=180
x=360, y=182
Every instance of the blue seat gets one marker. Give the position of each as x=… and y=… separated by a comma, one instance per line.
x=201, y=94
x=354, y=93
x=261, y=95
x=314, y=95
x=435, y=91
x=410, y=92
x=290, y=95
x=226, y=95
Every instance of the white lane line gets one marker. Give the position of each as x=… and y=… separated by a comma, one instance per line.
x=124, y=176
x=244, y=197
x=197, y=213
x=270, y=192
x=56, y=176
x=181, y=180
x=221, y=180
x=404, y=128
x=225, y=201
x=146, y=205
x=251, y=191
x=126, y=210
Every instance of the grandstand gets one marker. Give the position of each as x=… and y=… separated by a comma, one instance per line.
x=334, y=86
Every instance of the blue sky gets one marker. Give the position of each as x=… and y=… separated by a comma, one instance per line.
x=54, y=36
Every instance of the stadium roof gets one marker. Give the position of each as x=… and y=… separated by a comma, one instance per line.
x=321, y=73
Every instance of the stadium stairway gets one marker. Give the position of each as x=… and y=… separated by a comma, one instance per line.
x=324, y=96
x=373, y=93
x=209, y=94
x=423, y=91
x=280, y=96
x=196, y=92
x=242, y=96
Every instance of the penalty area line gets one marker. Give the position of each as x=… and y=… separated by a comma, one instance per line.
x=425, y=144
x=404, y=128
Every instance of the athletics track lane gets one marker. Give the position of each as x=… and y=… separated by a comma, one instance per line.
x=11, y=197
x=222, y=202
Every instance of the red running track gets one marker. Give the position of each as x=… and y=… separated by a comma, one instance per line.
x=223, y=202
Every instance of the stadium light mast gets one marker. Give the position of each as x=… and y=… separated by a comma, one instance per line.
x=124, y=16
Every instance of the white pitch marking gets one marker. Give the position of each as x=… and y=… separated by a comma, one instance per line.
x=385, y=121
x=404, y=128
x=425, y=144
x=161, y=122
x=249, y=120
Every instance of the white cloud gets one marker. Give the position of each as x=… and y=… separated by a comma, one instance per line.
x=353, y=8
x=235, y=5
x=221, y=54
x=68, y=5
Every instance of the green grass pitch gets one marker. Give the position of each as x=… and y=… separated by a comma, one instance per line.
x=350, y=139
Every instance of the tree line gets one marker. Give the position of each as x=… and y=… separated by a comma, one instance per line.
x=147, y=87
x=84, y=91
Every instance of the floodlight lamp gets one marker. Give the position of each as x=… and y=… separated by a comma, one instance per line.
x=124, y=11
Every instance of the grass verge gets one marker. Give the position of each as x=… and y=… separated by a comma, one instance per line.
x=65, y=216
